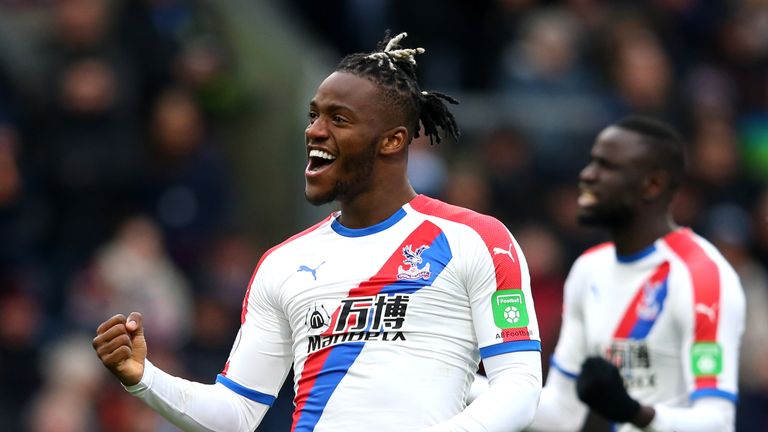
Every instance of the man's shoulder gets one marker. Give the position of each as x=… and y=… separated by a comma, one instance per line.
x=598, y=254
x=598, y=249
x=296, y=239
x=461, y=215
x=695, y=251
x=592, y=260
x=701, y=263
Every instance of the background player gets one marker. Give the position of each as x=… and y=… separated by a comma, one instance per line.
x=386, y=306
x=657, y=309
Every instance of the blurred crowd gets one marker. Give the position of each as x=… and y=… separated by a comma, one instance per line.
x=151, y=150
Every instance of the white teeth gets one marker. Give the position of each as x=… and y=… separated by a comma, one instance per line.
x=587, y=199
x=321, y=154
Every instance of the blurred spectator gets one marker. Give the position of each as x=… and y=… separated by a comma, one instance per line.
x=68, y=364
x=227, y=269
x=205, y=66
x=75, y=397
x=149, y=33
x=711, y=94
x=82, y=137
x=640, y=69
x=56, y=410
x=10, y=177
x=551, y=93
x=20, y=378
x=186, y=188
x=133, y=272
x=508, y=162
x=716, y=170
x=426, y=166
x=20, y=225
x=213, y=333
x=743, y=43
x=467, y=187
x=547, y=265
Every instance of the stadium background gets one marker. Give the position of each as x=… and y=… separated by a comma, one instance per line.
x=151, y=150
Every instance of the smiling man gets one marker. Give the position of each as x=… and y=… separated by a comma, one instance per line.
x=652, y=321
x=385, y=308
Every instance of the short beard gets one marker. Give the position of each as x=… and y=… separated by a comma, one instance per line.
x=362, y=165
x=615, y=218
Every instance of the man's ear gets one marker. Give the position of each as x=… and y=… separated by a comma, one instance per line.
x=655, y=184
x=394, y=141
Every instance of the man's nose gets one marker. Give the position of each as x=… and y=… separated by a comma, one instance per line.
x=316, y=130
x=588, y=173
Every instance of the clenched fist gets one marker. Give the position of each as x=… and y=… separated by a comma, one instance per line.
x=120, y=345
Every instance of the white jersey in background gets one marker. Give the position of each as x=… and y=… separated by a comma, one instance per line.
x=670, y=318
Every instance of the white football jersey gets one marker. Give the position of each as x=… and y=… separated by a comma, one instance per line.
x=384, y=325
x=670, y=317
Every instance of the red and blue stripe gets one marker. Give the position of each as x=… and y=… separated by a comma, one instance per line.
x=325, y=369
x=633, y=326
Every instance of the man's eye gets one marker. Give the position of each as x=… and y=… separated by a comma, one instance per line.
x=312, y=116
x=339, y=119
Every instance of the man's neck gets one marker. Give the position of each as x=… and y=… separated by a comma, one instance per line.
x=641, y=233
x=369, y=209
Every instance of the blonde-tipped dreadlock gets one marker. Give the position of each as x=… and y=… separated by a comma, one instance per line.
x=400, y=88
x=389, y=54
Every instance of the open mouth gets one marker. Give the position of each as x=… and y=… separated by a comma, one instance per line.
x=319, y=159
x=587, y=198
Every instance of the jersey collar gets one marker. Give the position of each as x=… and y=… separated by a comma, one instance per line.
x=373, y=229
x=626, y=259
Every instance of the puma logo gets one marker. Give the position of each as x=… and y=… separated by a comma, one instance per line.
x=313, y=271
x=508, y=252
x=708, y=311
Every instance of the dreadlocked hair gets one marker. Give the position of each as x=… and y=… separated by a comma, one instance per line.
x=393, y=70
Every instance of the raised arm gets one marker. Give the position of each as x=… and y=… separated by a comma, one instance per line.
x=192, y=406
x=258, y=364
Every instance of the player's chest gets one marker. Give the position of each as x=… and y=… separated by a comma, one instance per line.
x=630, y=320
x=629, y=304
x=352, y=286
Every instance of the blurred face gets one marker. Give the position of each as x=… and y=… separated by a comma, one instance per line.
x=610, y=185
x=88, y=87
x=345, y=127
x=177, y=123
